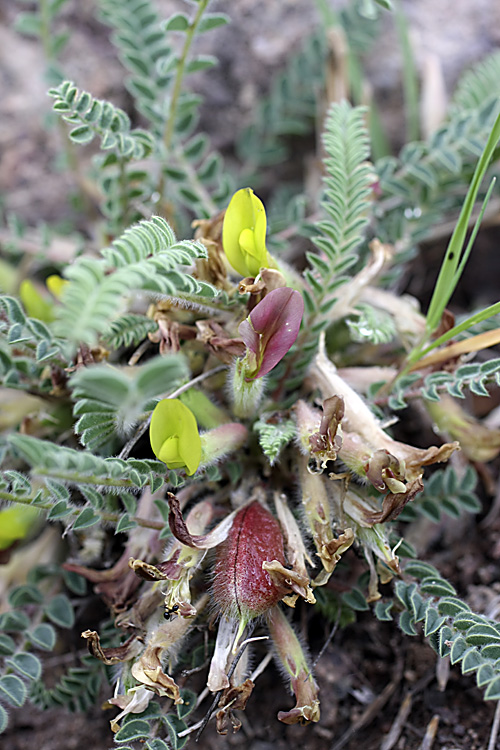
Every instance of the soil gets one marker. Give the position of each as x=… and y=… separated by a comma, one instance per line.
x=369, y=668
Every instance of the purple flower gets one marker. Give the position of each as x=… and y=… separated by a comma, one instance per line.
x=271, y=329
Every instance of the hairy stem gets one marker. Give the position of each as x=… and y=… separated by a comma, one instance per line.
x=69, y=476
x=105, y=516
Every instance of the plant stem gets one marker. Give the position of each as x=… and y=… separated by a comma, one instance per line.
x=176, y=91
x=73, y=164
x=410, y=78
x=45, y=31
x=170, y=127
x=66, y=476
x=105, y=516
x=123, y=196
x=478, y=317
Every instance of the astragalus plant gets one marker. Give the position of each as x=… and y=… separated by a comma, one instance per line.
x=201, y=428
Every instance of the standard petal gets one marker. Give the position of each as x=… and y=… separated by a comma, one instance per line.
x=244, y=233
x=174, y=435
x=272, y=327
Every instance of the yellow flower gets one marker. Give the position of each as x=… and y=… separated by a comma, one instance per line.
x=38, y=306
x=16, y=523
x=55, y=284
x=174, y=435
x=34, y=303
x=244, y=233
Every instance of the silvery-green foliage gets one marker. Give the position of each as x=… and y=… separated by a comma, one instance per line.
x=145, y=258
x=146, y=52
x=477, y=85
x=346, y=199
x=345, y=205
x=430, y=605
x=76, y=475
x=26, y=347
x=474, y=376
x=129, y=330
x=94, y=117
x=416, y=185
x=290, y=109
x=368, y=324
x=274, y=435
x=29, y=629
x=191, y=173
x=445, y=492
x=109, y=401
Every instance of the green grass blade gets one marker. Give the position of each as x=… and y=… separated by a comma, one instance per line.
x=475, y=230
x=448, y=276
x=473, y=320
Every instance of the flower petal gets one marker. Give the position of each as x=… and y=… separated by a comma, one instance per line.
x=244, y=233
x=272, y=327
x=295, y=663
x=174, y=435
x=112, y=655
x=181, y=532
x=233, y=698
x=227, y=637
x=289, y=579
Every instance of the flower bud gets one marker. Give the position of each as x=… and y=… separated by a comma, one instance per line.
x=207, y=414
x=36, y=305
x=17, y=522
x=320, y=435
x=56, y=285
x=241, y=587
x=318, y=516
x=271, y=329
x=220, y=441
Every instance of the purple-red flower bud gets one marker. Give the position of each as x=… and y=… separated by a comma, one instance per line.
x=271, y=329
x=241, y=587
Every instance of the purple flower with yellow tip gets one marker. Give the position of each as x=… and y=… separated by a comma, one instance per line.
x=244, y=233
x=174, y=435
